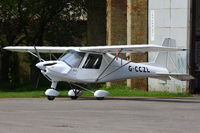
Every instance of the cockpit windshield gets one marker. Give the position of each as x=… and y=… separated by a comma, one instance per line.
x=73, y=58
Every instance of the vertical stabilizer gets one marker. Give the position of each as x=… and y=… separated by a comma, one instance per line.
x=167, y=59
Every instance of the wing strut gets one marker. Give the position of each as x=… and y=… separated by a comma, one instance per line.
x=137, y=58
x=82, y=87
x=108, y=65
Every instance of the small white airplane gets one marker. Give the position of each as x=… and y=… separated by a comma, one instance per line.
x=96, y=64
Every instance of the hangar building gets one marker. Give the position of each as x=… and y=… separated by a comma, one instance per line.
x=151, y=21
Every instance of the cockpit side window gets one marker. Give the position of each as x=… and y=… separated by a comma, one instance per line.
x=73, y=58
x=93, y=61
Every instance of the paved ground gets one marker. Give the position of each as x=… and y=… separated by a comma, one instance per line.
x=113, y=115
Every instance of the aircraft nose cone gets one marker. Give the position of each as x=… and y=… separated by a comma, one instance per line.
x=40, y=65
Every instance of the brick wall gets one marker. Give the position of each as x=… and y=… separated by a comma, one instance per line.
x=137, y=31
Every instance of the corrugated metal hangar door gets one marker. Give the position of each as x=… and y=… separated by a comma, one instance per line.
x=195, y=47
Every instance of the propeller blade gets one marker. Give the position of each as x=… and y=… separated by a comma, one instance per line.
x=37, y=82
x=38, y=54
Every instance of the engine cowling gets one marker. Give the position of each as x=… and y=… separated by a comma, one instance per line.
x=51, y=92
x=101, y=93
x=74, y=92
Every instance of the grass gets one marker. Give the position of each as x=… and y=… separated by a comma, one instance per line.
x=123, y=91
x=23, y=94
x=115, y=91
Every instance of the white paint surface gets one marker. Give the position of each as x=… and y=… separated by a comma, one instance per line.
x=152, y=25
x=170, y=21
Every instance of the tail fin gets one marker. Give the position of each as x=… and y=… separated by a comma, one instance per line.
x=167, y=59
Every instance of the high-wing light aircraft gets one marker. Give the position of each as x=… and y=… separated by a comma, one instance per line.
x=96, y=64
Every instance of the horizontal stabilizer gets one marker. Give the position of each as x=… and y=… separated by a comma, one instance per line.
x=179, y=76
x=163, y=78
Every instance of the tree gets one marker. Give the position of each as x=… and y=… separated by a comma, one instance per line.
x=28, y=22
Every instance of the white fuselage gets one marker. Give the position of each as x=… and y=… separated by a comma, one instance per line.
x=105, y=71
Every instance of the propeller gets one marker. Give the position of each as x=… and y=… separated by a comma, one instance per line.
x=37, y=81
x=38, y=54
x=40, y=60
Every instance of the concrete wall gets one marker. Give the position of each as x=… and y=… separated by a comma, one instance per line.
x=170, y=19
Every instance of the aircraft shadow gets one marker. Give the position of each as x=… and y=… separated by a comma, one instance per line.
x=150, y=99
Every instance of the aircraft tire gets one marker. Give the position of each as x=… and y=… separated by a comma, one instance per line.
x=100, y=98
x=51, y=98
x=73, y=97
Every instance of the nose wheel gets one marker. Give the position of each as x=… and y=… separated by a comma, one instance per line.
x=52, y=93
x=51, y=98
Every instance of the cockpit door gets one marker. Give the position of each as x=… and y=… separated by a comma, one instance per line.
x=90, y=69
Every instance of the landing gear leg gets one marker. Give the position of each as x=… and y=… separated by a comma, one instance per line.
x=54, y=84
x=74, y=94
x=99, y=94
x=52, y=93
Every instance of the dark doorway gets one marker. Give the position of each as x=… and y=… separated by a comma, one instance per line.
x=195, y=47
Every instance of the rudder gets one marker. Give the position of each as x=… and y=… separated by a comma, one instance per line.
x=167, y=59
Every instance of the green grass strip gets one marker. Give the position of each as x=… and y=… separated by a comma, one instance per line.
x=123, y=91
x=115, y=91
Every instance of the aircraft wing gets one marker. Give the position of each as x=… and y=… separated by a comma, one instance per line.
x=129, y=48
x=98, y=49
x=40, y=49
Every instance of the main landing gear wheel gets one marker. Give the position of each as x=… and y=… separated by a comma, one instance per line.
x=100, y=98
x=73, y=97
x=100, y=94
x=51, y=98
x=74, y=93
